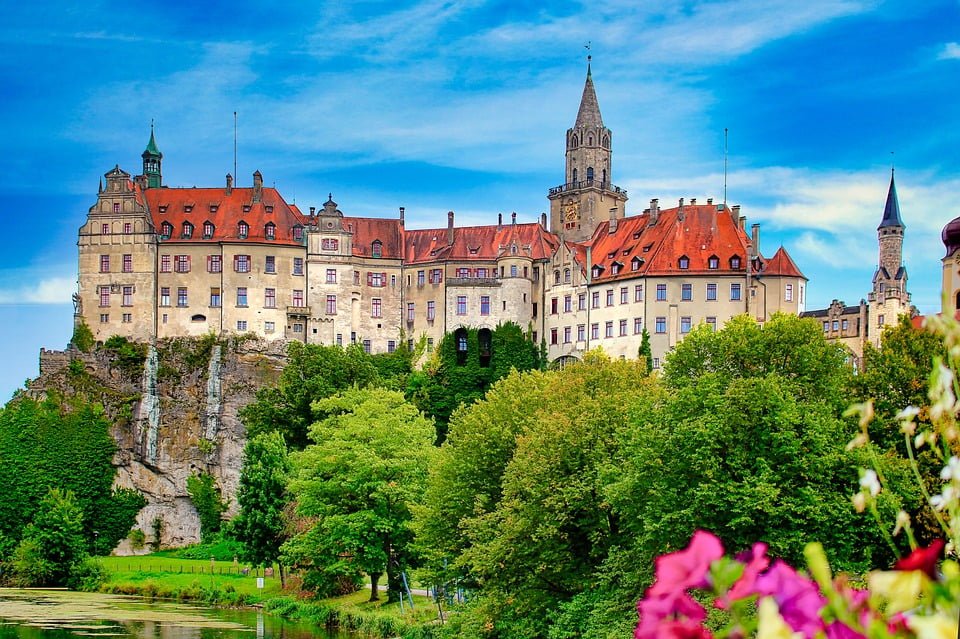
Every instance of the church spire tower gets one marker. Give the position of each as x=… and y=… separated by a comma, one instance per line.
x=587, y=197
x=152, y=158
x=889, y=298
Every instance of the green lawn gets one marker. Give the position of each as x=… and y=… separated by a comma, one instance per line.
x=177, y=574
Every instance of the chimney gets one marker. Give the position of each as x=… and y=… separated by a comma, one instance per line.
x=755, y=238
x=735, y=210
x=709, y=200
x=513, y=218
x=680, y=214
x=693, y=201
x=257, y=186
x=681, y=203
x=543, y=220
x=313, y=210
x=449, y=228
x=743, y=223
x=499, y=221
x=654, y=211
x=402, y=211
x=229, y=184
x=612, y=227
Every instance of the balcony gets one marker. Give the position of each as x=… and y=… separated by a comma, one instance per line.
x=298, y=311
x=588, y=184
x=473, y=281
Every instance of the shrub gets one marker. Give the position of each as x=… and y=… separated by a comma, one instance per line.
x=82, y=337
x=137, y=539
x=87, y=576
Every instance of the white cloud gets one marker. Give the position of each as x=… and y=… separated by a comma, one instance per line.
x=53, y=290
x=950, y=51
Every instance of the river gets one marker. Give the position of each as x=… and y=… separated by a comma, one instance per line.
x=59, y=614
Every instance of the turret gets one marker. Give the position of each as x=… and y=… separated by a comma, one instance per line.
x=152, y=158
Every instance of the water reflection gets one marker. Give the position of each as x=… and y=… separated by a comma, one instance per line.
x=44, y=614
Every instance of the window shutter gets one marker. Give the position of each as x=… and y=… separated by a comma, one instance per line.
x=369, y=279
x=236, y=263
x=189, y=259
x=383, y=279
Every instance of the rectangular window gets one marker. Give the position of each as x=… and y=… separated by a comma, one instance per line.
x=391, y=345
x=826, y=326
x=608, y=329
x=127, y=228
x=376, y=307
x=128, y=263
x=182, y=296
x=298, y=266
x=461, y=304
x=595, y=299
x=624, y=295
x=567, y=303
x=356, y=278
x=165, y=296
x=165, y=316
x=329, y=244
x=553, y=336
x=241, y=325
x=242, y=296
x=104, y=263
x=661, y=292
x=215, y=297
x=420, y=278
x=430, y=344
x=836, y=325
x=637, y=325
x=610, y=297
x=104, y=318
x=553, y=305
x=214, y=263
x=595, y=331
x=431, y=311
x=513, y=270
x=331, y=276
x=534, y=309
x=366, y=346
x=269, y=327
x=712, y=323
x=269, y=298
x=104, y=296
x=127, y=318
x=463, y=272
x=241, y=263
x=879, y=320
x=270, y=264
x=566, y=334
x=298, y=297
x=482, y=272
x=127, y=296
x=436, y=275
x=844, y=324
x=339, y=339
x=661, y=326
x=623, y=328
x=484, y=304
x=638, y=293
x=582, y=302
x=711, y=291
x=686, y=292
x=376, y=280
x=165, y=264
x=411, y=311
x=181, y=263
x=581, y=332
x=656, y=363
x=788, y=293
x=104, y=229
x=734, y=292
x=331, y=304
x=684, y=324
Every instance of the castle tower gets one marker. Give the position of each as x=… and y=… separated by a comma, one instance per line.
x=889, y=298
x=587, y=197
x=152, y=158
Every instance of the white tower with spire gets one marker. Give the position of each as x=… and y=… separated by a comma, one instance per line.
x=587, y=197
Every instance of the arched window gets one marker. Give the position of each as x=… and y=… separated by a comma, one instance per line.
x=460, y=336
x=589, y=174
x=485, y=342
x=166, y=230
x=590, y=140
x=243, y=229
x=606, y=142
x=683, y=262
x=270, y=231
x=376, y=249
x=604, y=177
x=574, y=174
x=187, y=231
x=208, y=229
x=566, y=276
x=556, y=277
x=574, y=141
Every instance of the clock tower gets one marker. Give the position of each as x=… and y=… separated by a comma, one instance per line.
x=587, y=197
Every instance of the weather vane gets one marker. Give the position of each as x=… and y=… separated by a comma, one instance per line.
x=587, y=47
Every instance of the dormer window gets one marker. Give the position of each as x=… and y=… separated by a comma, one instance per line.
x=597, y=270
x=214, y=207
x=735, y=262
x=246, y=208
x=208, y=229
x=298, y=233
x=187, y=208
x=513, y=249
x=713, y=262
x=615, y=268
x=683, y=262
x=163, y=208
x=376, y=249
x=187, y=231
x=268, y=208
x=243, y=230
x=474, y=250
x=646, y=249
x=166, y=230
x=635, y=264
x=270, y=231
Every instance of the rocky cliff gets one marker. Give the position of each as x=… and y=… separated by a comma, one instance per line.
x=174, y=407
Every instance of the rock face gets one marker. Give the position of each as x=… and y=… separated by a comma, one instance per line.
x=174, y=414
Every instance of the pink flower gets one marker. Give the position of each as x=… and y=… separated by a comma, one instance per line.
x=838, y=630
x=924, y=559
x=797, y=597
x=756, y=561
x=686, y=568
x=658, y=611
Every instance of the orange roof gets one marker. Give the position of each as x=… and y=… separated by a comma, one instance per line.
x=479, y=243
x=197, y=206
x=781, y=264
x=367, y=230
x=695, y=232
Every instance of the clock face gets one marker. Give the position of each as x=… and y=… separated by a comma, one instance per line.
x=571, y=211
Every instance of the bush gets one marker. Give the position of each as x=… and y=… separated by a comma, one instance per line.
x=205, y=495
x=138, y=539
x=88, y=576
x=83, y=337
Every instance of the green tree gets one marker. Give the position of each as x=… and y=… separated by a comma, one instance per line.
x=358, y=481
x=83, y=337
x=645, y=353
x=53, y=544
x=261, y=526
x=205, y=496
x=312, y=372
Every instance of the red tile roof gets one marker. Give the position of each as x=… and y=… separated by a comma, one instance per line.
x=781, y=264
x=367, y=230
x=225, y=211
x=479, y=243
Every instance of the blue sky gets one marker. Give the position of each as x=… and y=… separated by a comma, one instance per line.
x=440, y=105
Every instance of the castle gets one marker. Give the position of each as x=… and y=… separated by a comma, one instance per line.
x=156, y=262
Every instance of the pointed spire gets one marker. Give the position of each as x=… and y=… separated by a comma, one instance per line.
x=891, y=212
x=589, y=113
x=152, y=144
